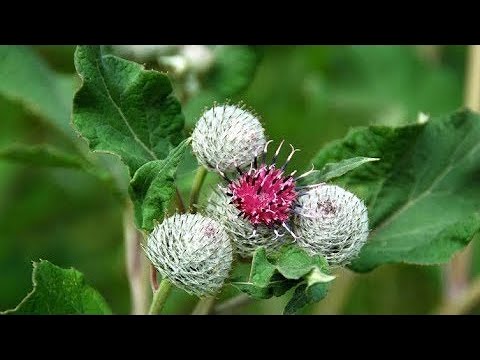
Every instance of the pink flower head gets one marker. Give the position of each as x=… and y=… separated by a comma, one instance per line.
x=264, y=194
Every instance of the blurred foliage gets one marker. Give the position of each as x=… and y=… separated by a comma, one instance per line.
x=308, y=95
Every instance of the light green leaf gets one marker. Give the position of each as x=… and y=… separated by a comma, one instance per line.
x=262, y=271
x=298, y=300
x=294, y=263
x=290, y=267
x=335, y=170
x=423, y=196
x=60, y=291
x=123, y=109
x=40, y=155
x=152, y=187
x=27, y=79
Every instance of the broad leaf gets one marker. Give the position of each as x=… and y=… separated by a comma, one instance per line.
x=28, y=80
x=60, y=291
x=40, y=155
x=152, y=187
x=423, y=196
x=124, y=109
x=334, y=170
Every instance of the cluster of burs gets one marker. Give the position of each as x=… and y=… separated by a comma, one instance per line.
x=258, y=203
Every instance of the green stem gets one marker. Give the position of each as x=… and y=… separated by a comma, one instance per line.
x=196, y=187
x=204, y=306
x=179, y=201
x=160, y=297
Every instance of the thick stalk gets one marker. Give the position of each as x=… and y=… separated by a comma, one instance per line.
x=457, y=272
x=135, y=262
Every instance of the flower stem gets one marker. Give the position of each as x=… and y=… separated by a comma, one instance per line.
x=204, y=306
x=196, y=187
x=179, y=201
x=160, y=297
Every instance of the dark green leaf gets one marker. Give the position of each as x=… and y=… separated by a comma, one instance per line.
x=313, y=290
x=152, y=187
x=124, y=109
x=423, y=194
x=60, y=291
x=299, y=300
x=27, y=79
x=40, y=155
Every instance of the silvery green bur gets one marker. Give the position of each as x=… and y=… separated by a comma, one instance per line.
x=192, y=251
x=332, y=222
x=226, y=137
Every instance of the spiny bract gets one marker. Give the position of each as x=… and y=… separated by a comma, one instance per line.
x=226, y=137
x=194, y=252
x=332, y=222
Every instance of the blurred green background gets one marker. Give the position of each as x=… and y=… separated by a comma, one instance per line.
x=307, y=95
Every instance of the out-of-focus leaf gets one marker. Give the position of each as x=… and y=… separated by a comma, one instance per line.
x=27, y=79
x=60, y=291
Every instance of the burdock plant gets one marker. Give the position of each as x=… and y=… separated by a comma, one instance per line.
x=376, y=197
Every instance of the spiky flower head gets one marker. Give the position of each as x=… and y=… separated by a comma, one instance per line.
x=332, y=222
x=194, y=252
x=246, y=237
x=226, y=137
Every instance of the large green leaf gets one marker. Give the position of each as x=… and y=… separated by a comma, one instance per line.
x=27, y=79
x=60, y=291
x=40, y=155
x=124, y=109
x=152, y=187
x=423, y=196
